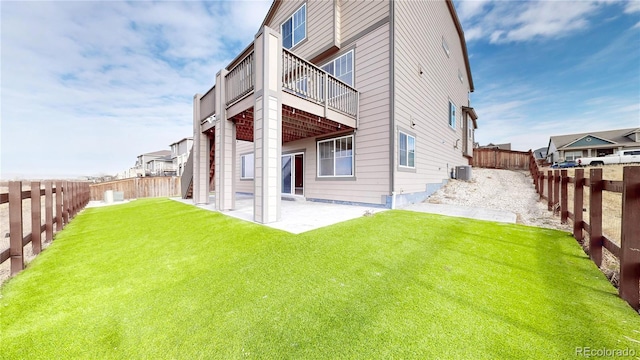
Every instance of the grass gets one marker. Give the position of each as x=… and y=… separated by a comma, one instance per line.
x=160, y=279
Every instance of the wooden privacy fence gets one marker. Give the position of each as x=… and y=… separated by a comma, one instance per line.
x=628, y=252
x=70, y=198
x=501, y=159
x=134, y=188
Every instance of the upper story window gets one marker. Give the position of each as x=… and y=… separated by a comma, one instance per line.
x=452, y=115
x=335, y=157
x=294, y=29
x=341, y=67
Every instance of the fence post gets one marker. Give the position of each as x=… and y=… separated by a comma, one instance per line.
x=58, y=206
x=36, y=218
x=48, y=210
x=630, y=240
x=578, y=203
x=556, y=188
x=541, y=184
x=65, y=202
x=595, y=216
x=15, y=226
x=550, y=190
x=564, y=198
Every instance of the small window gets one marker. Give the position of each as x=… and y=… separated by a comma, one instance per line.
x=335, y=157
x=342, y=67
x=460, y=77
x=452, y=115
x=407, y=150
x=445, y=46
x=294, y=29
x=247, y=166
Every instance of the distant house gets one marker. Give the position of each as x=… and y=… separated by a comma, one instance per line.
x=180, y=151
x=540, y=154
x=597, y=143
x=506, y=146
x=154, y=163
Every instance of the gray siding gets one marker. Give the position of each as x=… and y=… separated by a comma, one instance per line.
x=371, y=140
x=419, y=29
x=320, y=25
x=242, y=147
x=357, y=16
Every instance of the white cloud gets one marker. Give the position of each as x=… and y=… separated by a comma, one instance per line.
x=514, y=21
x=632, y=6
x=90, y=85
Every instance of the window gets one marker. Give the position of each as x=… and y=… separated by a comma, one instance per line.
x=460, y=77
x=407, y=151
x=452, y=115
x=572, y=155
x=294, y=29
x=335, y=157
x=247, y=166
x=342, y=68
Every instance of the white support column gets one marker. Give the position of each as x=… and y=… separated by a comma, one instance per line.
x=267, y=126
x=225, y=150
x=200, y=157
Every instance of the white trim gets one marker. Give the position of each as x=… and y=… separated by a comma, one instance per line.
x=243, y=168
x=452, y=115
x=293, y=42
x=400, y=133
x=334, y=157
x=353, y=66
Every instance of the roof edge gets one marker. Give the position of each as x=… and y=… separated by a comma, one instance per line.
x=463, y=42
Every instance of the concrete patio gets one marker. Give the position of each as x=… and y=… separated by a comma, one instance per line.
x=298, y=216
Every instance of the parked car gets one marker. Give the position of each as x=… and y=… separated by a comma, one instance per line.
x=564, y=165
x=621, y=157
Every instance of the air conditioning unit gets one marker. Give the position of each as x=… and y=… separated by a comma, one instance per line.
x=463, y=172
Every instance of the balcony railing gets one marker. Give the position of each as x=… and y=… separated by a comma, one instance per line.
x=306, y=80
x=299, y=77
x=240, y=80
x=208, y=104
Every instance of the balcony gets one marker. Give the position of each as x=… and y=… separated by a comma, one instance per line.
x=314, y=102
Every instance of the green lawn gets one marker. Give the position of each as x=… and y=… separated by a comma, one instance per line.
x=160, y=279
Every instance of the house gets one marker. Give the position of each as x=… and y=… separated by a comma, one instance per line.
x=180, y=151
x=506, y=146
x=153, y=163
x=597, y=143
x=353, y=102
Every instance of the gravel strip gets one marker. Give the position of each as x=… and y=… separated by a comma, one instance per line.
x=500, y=190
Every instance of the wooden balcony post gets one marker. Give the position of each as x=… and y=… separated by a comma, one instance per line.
x=595, y=216
x=578, y=203
x=630, y=241
x=36, y=218
x=564, y=198
x=15, y=227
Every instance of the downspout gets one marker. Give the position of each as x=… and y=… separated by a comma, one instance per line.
x=392, y=102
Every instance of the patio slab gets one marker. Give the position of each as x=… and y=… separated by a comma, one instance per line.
x=296, y=216
x=301, y=216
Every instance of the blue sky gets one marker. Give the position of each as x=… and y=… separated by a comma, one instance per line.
x=87, y=86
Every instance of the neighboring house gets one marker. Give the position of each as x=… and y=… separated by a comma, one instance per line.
x=597, y=143
x=356, y=102
x=496, y=146
x=540, y=154
x=153, y=163
x=180, y=151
